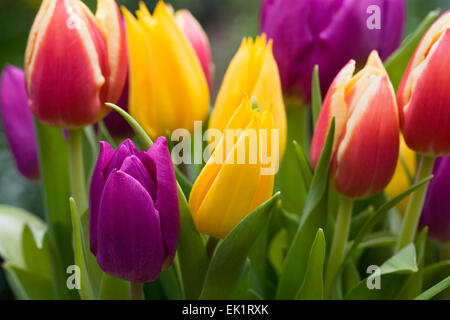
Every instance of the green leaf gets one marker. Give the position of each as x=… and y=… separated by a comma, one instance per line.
x=316, y=95
x=434, y=290
x=312, y=287
x=393, y=274
x=435, y=273
x=277, y=250
x=305, y=169
x=86, y=289
x=398, y=61
x=227, y=266
x=379, y=215
x=27, y=285
x=113, y=288
x=313, y=217
x=184, y=182
x=170, y=285
x=54, y=171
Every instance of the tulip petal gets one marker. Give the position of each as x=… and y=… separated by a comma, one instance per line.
x=95, y=193
x=426, y=125
x=18, y=122
x=125, y=149
x=129, y=235
x=166, y=195
x=133, y=166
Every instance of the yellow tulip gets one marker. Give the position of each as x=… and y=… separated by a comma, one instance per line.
x=228, y=189
x=400, y=181
x=168, y=89
x=252, y=72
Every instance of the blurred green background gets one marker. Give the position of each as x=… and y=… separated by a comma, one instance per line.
x=225, y=22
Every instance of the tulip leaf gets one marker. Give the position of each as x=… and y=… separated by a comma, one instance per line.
x=316, y=95
x=113, y=288
x=54, y=172
x=392, y=275
x=27, y=285
x=86, y=289
x=314, y=216
x=398, y=61
x=380, y=214
x=435, y=273
x=305, y=168
x=228, y=264
x=277, y=250
x=434, y=290
x=312, y=287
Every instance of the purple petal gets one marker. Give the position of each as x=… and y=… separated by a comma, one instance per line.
x=436, y=209
x=166, y=194
x=129, y=235
x=126, y=148
x=95, y=193
x=134, y=167
x=18, y=122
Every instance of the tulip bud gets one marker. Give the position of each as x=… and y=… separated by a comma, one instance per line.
x=227, y=188
x=401, y=181
x=18, y=122
x=134, y=214
x=423, y=95
x=75, y=62
x=252, y=72
x=199, y=40
x=436, y=209
x=366, y=141
x=168, y=89
x=327, y=33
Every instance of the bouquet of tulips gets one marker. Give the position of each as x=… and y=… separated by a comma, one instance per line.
x=274, y=192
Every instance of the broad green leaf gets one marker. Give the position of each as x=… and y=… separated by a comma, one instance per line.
x=27, y=285
x=312, y=287
x=37, y=255
x=184, y=182
x=398, y=61
x=393, y=274
x=113, y=288
x=170, y=285
x=54, y=171
x=259, y=261
x=314, y=216
x=12, y=224
x=227, y=265
x=86, y=290
x=434, y=290
x=303, y=163
x=434, y=273
x=316, y=95
x=277, y=250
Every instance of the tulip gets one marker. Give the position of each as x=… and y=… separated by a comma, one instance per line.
x=75, y=62
x=168, y=89
x=199, y=40
x=436, y=209
x=423, y=95
x=327, y=33
x=134, y=214
x=253, y=72
x=18, y=122
x=401, y=181
x=366, y=141
x=228, y=190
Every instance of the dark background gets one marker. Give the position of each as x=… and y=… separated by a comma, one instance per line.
x=225, y=22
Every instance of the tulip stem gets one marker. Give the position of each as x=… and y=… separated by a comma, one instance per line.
x=136, y=291
x=415, y=204
x=339, y=243
x=76, y=170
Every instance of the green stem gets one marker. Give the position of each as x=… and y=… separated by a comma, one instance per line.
x=340, y=236
x=415, y=204
x=76, y=170
x=136, y=291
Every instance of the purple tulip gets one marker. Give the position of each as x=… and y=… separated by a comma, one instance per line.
x=328, y=33
x=134, y=213
x=436, y=209
x=18, y=122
